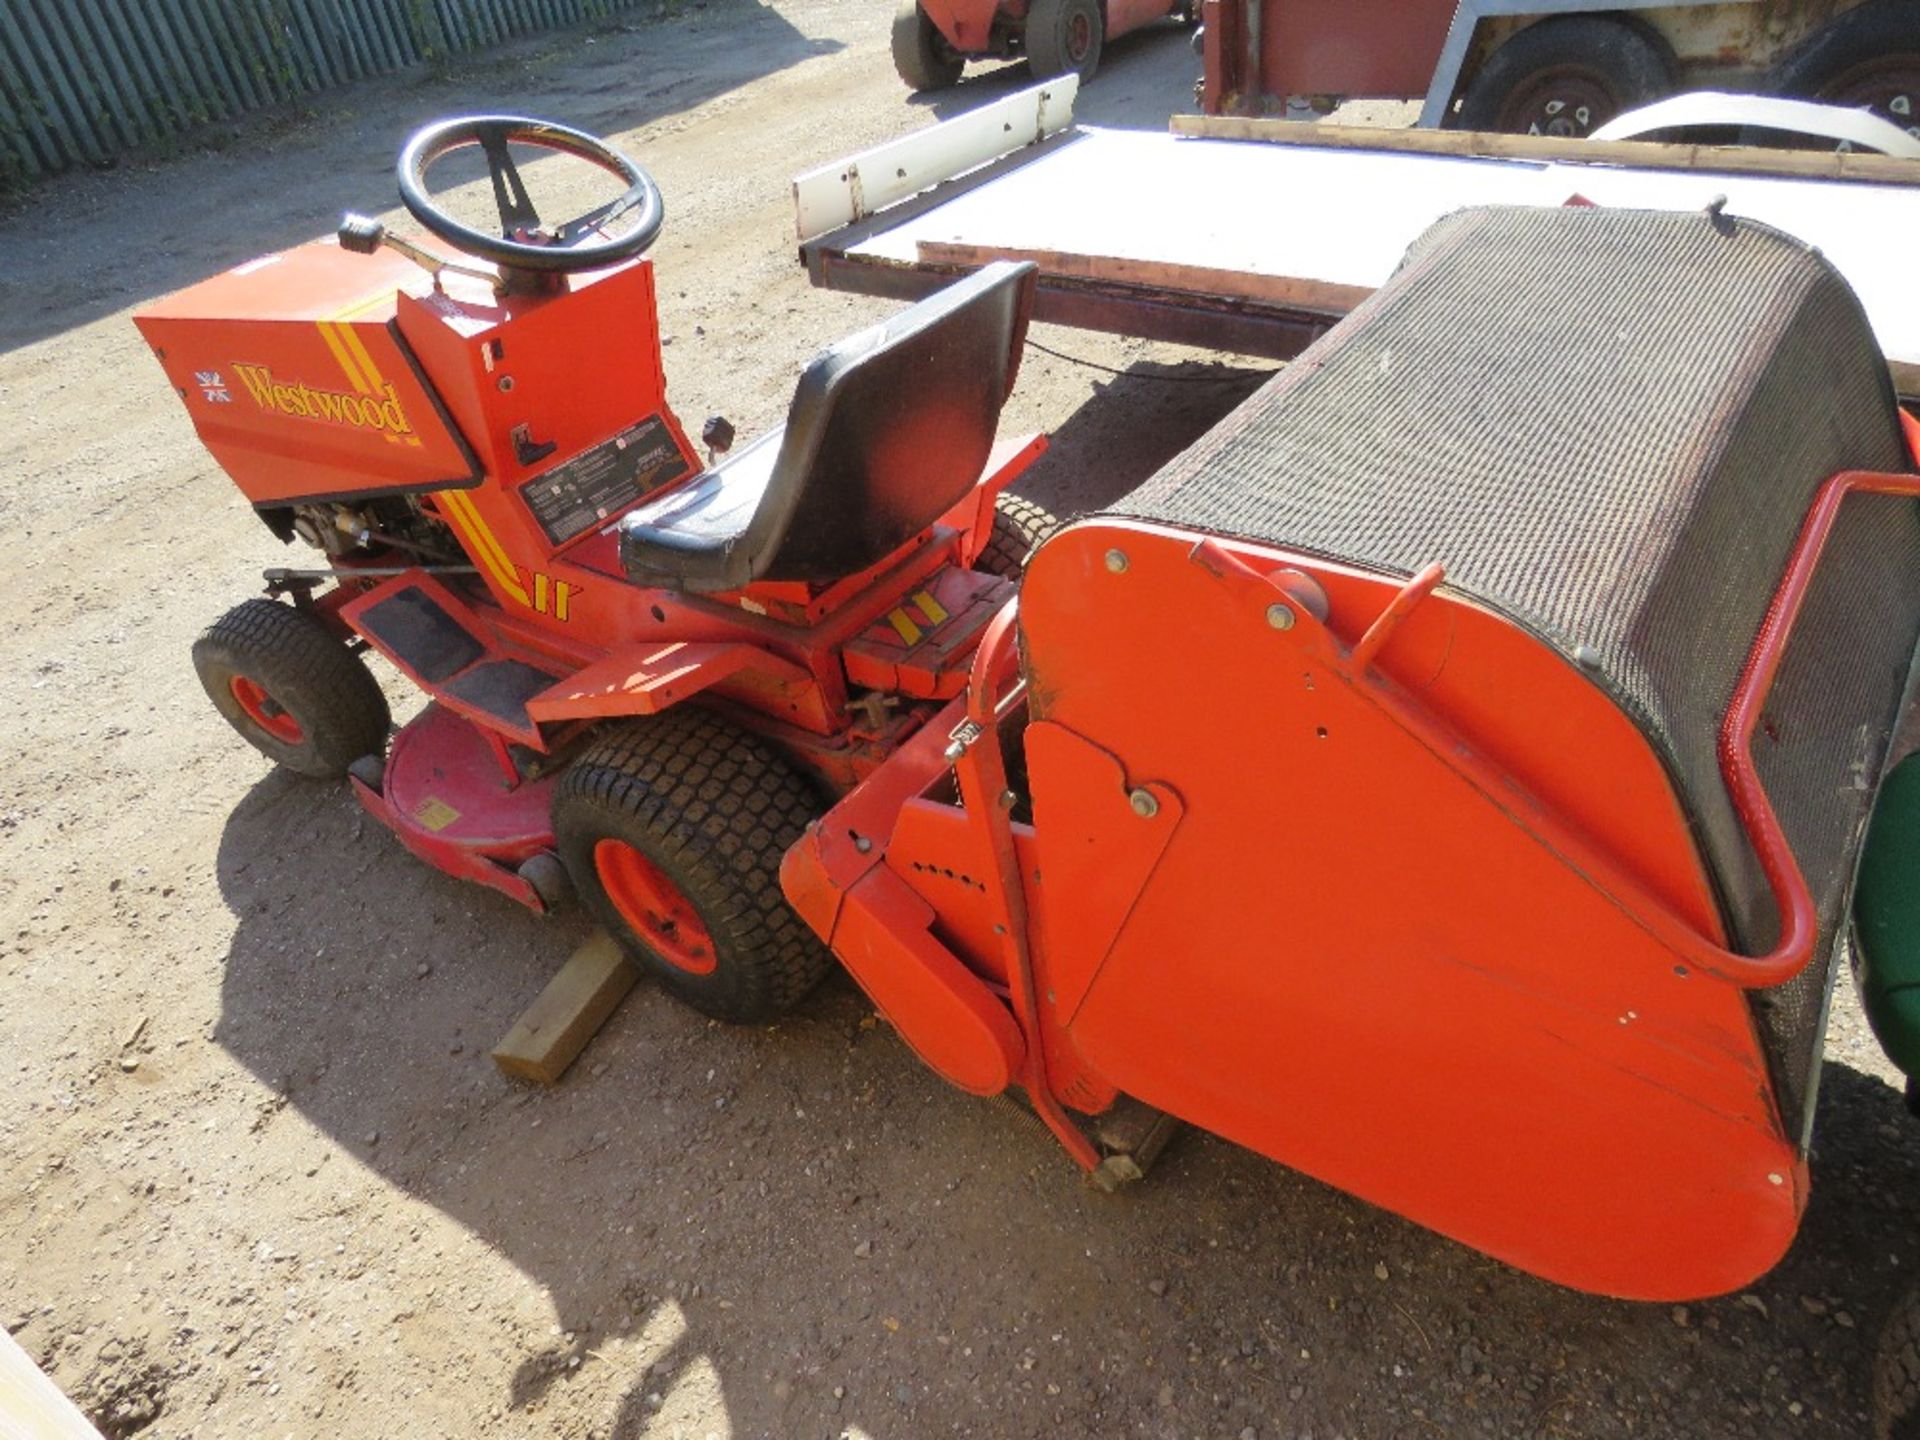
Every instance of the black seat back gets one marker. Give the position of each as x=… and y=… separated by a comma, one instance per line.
x=889, y=429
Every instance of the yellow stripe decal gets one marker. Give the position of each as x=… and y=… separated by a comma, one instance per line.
x=367, y=367
x=930, y=608
x=540, y=592
x=562, y=599
x=480, y=539
x=347, y=366
x=904, y=627
x=347, y=312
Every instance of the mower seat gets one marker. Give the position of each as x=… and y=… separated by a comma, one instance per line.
x=888, y=430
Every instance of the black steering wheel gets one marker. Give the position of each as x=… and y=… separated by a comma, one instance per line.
x=524, y=243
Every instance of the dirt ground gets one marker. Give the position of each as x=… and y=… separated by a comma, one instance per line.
x=257, y=1174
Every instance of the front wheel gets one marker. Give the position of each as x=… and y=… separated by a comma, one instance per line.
x=1064, y=35
x=1566, y=77
x=922, y=55
x=292, y=688
x=673, y=829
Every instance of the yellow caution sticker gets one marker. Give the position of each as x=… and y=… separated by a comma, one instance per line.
x=930, y=607
x=435, y=813
x=904, y=627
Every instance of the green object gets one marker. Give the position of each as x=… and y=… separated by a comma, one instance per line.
x=1886, y=913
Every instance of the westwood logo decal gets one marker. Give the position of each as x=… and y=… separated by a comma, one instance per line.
x=378, y=410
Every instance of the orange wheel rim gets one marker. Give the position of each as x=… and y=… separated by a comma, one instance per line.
x=654, y=907
x=266, y=712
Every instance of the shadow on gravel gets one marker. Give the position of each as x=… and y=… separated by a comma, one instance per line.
x=83, y=246
x=799, y=1227
x=801, y=1218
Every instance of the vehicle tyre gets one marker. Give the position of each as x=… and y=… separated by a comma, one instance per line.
x=1019, y=526
x=1567, y=77
x=292, y=689
x=673, y=829
x=1868, y=58
x=1896, y=1372
x=922, y=55
x=1064, y=35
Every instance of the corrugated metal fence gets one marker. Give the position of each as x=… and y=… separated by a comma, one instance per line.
x=83, y=80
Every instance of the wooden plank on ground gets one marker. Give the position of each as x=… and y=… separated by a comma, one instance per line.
x=31, y=1405
x=1854, y=165
x=551, y=1032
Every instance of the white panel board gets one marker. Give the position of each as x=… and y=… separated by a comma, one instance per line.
x=839, y=194
x=1345, y=217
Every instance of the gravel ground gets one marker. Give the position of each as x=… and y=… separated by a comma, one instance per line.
x=258, y=1175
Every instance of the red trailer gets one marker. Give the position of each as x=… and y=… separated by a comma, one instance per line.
x=1556, y=67
x=934, y=39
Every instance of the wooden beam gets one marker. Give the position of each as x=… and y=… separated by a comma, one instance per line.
x=1283, y=291
x=551, y=1032
x=1856, y=166
x=31, y=1404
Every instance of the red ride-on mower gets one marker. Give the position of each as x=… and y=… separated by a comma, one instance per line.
x=646, y=674
x=934, y=39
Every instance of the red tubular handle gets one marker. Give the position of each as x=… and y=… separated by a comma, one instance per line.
x=1798, y=920
x=989, y=662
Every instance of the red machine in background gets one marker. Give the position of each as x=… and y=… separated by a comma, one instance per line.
x=508, y=510
x=1556, y=67
x=934, y=39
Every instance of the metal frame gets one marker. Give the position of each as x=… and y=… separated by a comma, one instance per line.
x=1466, y=20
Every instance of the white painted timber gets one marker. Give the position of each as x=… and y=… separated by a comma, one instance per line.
x=854, y=188
x=31, y=1405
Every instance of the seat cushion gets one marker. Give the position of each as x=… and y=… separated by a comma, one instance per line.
x=690, y=536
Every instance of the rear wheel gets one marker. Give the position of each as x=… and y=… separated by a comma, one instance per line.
x=1019, y=526
x=1868, y=59
x=292, y=688
x=1896, y=1372
x=1063, y=35
x=673, y=830
x=922, y=55
x=1566, y=77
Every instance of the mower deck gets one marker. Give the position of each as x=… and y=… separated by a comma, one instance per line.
x=447, y=795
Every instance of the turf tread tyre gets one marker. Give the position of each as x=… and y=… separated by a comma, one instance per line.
x=1049, y=42
x=921, y=54
x=1019, y=525
x=1635, y=64
x=309, y=672
x=715, y=809
x=1896, y=1372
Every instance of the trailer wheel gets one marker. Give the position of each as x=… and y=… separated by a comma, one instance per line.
x=1566, y=76
x=1064, y=35
x=673, y=829
x=1896, y=1372
x=1019, y=526
x=1869, y=59
x=922, y=55
x=292, y=688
